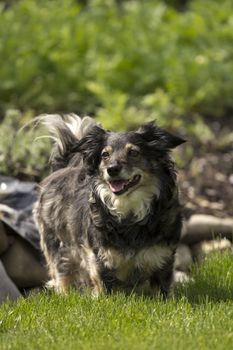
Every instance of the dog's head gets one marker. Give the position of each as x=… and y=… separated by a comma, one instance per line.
x=124, y=162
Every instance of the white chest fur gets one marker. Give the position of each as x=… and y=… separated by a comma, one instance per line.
x=137, y=202
x=146, y=260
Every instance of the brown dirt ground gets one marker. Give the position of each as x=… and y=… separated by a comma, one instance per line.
x=206, y=180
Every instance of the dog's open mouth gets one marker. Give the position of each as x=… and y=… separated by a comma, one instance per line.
x=122, y=186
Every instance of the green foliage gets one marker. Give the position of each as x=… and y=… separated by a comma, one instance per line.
x=120, y=322
x=21, y=153
x=55, y=51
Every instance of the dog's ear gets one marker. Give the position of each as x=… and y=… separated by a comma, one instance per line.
x=158, y=137
x=90, y=147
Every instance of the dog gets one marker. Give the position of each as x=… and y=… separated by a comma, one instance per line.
x=109, y=215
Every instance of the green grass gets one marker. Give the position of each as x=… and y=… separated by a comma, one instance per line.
x=200, y=316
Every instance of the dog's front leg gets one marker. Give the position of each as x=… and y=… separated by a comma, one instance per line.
x=161, y=280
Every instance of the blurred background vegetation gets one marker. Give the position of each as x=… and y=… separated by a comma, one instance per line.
x=122, y=62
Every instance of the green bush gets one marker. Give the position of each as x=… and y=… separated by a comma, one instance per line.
x=53, y=52
x=125, y=64
x=23, y=153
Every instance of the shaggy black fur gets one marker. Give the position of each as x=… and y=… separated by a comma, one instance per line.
x=85, y=243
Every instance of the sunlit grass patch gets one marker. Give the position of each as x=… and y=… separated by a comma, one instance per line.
x=198, y=317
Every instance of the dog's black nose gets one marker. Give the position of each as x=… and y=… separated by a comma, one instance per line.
x=114, y=169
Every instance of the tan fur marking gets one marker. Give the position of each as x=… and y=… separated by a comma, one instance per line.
x=147, y=259
x=63, y=283
x=107, y=149
x=90, y=265
x=130, y=146
x=112, y=259
x=152, y=258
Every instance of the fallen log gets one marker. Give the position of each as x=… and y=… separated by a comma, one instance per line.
x=206, y=227
x=202, y=249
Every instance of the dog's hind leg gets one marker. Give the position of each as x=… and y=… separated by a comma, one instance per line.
x=95, y=281
x=60, y=262
x=60, y=283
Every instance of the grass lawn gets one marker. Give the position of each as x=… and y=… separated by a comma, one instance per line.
x=200, y=316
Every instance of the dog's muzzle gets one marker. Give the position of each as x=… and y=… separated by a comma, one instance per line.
x=114, y=170
x=120, y=186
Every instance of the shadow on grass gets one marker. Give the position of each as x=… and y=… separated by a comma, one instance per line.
x=211, y=280
x=207, y=291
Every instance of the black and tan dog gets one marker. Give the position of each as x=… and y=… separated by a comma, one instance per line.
x=109, y=215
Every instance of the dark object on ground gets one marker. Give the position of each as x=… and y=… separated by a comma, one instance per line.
x=4, y=241
x=16, y=203
x=8, y=289
x=22, y=263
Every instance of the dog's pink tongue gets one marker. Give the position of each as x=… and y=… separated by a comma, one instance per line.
x=117, y=186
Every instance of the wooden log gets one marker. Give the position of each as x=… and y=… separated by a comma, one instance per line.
x=203, y=248
x=206, y=227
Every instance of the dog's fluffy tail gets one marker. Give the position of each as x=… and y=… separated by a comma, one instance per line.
x=65, y=131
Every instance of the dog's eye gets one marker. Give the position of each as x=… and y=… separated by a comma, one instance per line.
x=133, y=153
x=105, y=155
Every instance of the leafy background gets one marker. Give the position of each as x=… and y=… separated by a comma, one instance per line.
x=122, y=62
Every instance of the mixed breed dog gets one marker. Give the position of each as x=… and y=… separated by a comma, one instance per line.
x=109, y=214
